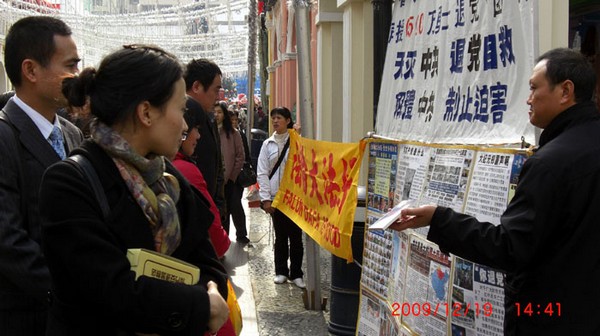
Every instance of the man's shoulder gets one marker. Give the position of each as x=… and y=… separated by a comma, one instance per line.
x=69, y=127
x=574, y=149
x=7, y=129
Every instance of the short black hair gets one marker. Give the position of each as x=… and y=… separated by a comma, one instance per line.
x=565, y=64
x=31, y=37
x=284, y=112
x=202, y=70
x=124, y=79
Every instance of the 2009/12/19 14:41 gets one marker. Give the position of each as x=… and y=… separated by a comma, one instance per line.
x=533, y=309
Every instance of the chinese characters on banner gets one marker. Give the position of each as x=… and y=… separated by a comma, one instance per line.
x=319, y=190
x=455, y=72
x=407, y=284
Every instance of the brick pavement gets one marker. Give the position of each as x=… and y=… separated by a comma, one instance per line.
x=268, y=308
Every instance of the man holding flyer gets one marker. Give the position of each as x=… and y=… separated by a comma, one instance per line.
x=547, y=240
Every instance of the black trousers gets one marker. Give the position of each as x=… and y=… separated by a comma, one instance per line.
x=233, y=199
x=286, y=229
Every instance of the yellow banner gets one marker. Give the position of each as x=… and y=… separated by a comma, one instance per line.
x=318, y=190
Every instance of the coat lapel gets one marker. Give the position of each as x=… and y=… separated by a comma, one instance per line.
x=30, y=135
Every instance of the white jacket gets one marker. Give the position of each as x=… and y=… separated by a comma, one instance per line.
x=269, y=154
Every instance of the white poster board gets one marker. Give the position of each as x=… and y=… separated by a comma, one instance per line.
x=457, y=72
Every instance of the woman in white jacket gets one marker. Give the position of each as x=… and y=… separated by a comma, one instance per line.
x=285, y=228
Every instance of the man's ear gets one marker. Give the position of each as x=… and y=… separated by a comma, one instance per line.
x=197, y=87
x=143, y=113
x=29, y=70
x=568, y=91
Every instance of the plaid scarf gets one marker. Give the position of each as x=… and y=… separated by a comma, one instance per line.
x=154, y=190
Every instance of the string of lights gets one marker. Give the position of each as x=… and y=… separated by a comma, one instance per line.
x=213, y=29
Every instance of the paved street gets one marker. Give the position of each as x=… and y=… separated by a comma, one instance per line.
x=267, y=308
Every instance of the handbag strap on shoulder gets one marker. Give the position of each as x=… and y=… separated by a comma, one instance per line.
x=85, y=166
x=280, y=159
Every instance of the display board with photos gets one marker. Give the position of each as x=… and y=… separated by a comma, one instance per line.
x=408, y=285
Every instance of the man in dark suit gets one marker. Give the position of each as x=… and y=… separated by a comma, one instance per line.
x=203, y=83
x=39, y=54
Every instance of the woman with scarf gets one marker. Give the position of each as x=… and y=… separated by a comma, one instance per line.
x=137, y=96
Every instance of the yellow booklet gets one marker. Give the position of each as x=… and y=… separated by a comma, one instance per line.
x=160, y=266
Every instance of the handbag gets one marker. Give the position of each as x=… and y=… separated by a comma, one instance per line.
x=247, y=176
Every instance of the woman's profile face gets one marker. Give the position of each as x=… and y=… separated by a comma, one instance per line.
x=167, y=129
x=189, y=144
x=234, y=122
x=219, y=114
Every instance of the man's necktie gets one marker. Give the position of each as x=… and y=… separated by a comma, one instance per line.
x=56, y=140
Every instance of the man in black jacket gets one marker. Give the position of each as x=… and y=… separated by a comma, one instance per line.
x=548, y=240
x=203, y=83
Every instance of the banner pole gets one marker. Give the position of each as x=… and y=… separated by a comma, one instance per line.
x=305, y=107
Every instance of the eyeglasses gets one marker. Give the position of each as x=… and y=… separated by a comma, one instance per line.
x=184, y=136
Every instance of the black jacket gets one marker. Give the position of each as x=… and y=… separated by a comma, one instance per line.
x=548, y=241
x=207, y=154
x=94, y=291
x=24, y=276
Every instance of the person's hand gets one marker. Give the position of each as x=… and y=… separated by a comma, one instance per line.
x=219, y=312
x=298, y=128
x=413, y=218
x=267, y=207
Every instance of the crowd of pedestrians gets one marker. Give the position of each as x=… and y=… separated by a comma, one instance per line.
x=164, y=154
x=136, y=153
x=151, y=161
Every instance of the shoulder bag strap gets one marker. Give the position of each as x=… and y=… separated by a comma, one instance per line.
x=85, y=166
x=278, y=163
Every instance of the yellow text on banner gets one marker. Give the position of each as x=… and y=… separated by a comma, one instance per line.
x=319, y=190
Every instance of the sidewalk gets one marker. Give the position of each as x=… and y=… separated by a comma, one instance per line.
x=267, y=308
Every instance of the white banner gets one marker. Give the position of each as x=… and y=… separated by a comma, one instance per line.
x=457, y=71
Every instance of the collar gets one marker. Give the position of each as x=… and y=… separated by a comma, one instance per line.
x=281, y=137
x=181, y=156
x=40, y=122
x=577, y=114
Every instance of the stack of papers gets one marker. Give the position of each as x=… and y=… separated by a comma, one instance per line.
x=391, y=216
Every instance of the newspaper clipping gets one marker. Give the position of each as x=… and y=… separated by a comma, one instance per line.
x=488, y=191
x=412, y=169
x=425, y=306
x=449, y=170
x=412, y=286
x=383, y=159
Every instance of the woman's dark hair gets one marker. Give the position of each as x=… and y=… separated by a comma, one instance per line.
x=565, y=64
x=284, y=112
x=234, y=114
x=191, y=119
x=124, y=79
x=227, y=126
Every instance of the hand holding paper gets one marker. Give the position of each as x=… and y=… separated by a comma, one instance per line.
x=390, y=217
x=413, y=218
